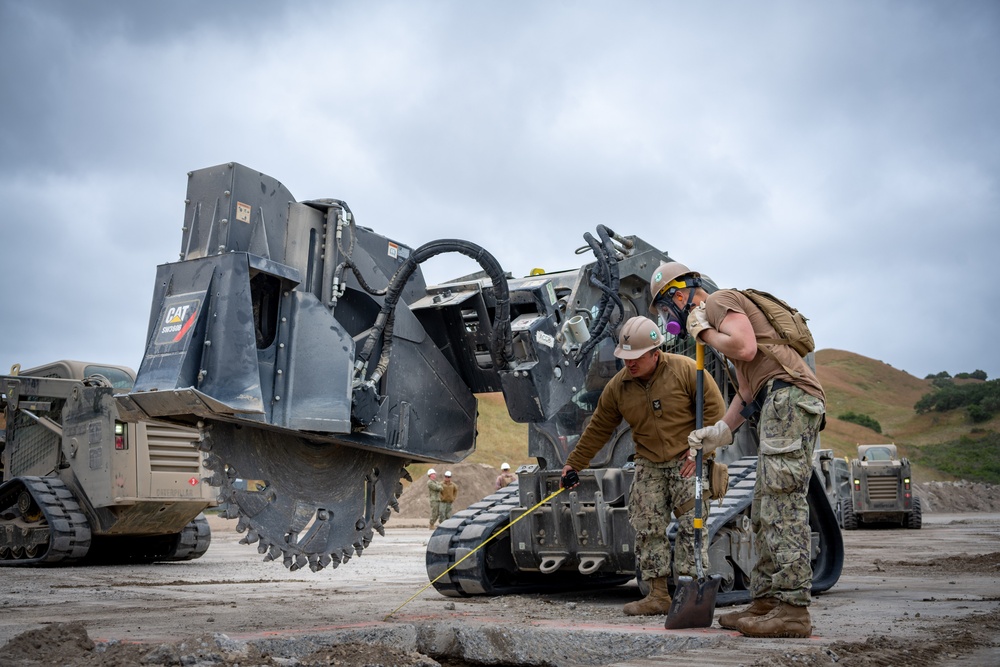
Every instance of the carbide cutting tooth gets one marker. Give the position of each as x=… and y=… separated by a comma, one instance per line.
x=324, y=560
x=231, y=511
x=345, y=555
x=262, y=547
x=394, y=504
x=242, y=524
x=204, y=445
x=215, y=479
x=250, y=537
x=314, y=563
x=380, y=528
x=334, y=563
x=406, y=475
x=358, y=548
x=273, y=553
x=300, y=561
x=213, y=462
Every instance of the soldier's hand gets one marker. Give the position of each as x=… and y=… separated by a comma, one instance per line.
x=710, y=438
x=697, y=321
x=570, y=478
x=688, y=467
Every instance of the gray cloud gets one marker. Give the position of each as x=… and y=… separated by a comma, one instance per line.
x=843, y=155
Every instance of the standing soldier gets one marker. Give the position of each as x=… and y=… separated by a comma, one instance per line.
x=656, y=393
x=775, y=381
x=434, y=489
x=449, y=491
x=506, y=477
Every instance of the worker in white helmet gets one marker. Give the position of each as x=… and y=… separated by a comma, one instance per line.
x=655, y=393
x=449, y=491
x=434, y=489
x=506, y=477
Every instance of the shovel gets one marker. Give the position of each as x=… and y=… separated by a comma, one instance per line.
x=693, y=605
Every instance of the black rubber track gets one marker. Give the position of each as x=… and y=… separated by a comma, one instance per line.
x=69, y=531
x=490, y=570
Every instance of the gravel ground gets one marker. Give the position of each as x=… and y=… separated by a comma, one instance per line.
x=927, y=597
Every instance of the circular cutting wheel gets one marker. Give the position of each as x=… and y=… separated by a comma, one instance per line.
x=300, y=501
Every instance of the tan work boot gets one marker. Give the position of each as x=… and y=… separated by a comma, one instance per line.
x=657, y=602
x=758, y=607
x=785, y=620
x=432, y=526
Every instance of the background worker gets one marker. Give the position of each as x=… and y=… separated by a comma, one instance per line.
x=655, y=393
x=449, y=491
x=506, y=477
x=434, y=491
x=776, y=381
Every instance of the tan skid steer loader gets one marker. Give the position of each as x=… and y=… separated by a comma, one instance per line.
x=82, y=483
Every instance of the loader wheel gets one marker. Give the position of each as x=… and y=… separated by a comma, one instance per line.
x=28, y=507
x=916, y=519
x=848, y=518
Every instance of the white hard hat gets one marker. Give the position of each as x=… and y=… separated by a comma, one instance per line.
x=447, y=473
x=432, y=471
x=504, y=466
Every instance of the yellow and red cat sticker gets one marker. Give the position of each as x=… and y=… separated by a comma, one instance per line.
x=176, y=320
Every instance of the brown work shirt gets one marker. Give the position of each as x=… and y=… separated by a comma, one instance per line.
x=449, y=491
x=762, y=368
x=660, y=411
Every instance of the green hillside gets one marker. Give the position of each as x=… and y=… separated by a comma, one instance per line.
x=941, y=445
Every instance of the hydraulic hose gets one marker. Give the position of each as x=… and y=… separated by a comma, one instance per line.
x=605, y=278
x=501, y=344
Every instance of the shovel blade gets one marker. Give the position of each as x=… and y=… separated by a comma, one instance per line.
x=693, y=604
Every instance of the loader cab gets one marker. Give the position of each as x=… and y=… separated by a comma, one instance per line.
x=877, y=453
x=121, y=377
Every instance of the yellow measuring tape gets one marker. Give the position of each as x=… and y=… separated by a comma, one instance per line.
x=496, y=534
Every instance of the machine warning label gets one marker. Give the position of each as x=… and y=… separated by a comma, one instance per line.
x=177, y=320
x=545, y=339
x=243, y=212
x=393, y=250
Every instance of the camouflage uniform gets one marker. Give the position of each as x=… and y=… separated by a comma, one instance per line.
x=655, y=487
x=434, y=489
x=661, y=413
x=789, y=425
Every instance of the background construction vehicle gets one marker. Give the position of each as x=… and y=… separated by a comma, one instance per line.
x=880, y=490
x=319, y=363
x=82, y=484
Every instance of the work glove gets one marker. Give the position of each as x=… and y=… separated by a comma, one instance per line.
x=570, y=479
x=709, y=438
x=697, y=321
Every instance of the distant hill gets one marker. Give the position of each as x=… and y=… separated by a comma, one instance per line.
x=853, y=383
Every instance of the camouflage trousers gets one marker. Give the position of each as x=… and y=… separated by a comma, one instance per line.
x=657, y=489
x=436, y=511
x=789, y=426
x=444, y=511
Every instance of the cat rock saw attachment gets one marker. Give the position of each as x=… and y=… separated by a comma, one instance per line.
x=285, y=333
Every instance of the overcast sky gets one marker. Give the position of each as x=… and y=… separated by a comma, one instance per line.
x=843, y=155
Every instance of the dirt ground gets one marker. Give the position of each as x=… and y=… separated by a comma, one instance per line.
x=916, y=598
